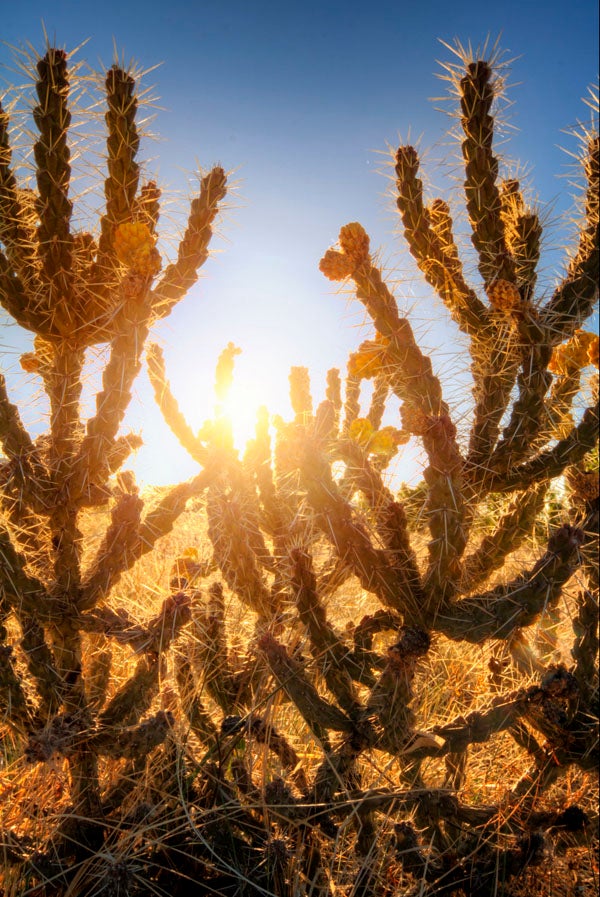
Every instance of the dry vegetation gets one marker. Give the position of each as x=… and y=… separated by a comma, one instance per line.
x=282, y=678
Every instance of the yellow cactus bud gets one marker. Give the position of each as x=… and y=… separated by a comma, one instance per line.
x=335, y=265
x=370, y=358
x=384, y=441
x=354, y=242
x=33, y=362
x=503, y=295
x=361, y=431
x=574, y=355
x=579, y=346
x=135, y=249
x=30, y=362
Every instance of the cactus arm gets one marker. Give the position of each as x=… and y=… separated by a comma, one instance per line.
x=333, y=392
x=157, y=522
x=487, y=217
x=332, y=577
x=134, y=698
x=531, y=417
x=512, y=528
x=13, y=295
x=413, y=381
x=391, y=520
x=265, y=733
x=523, y=232
x=16, y=441
x=477, y=92
x=134, y=742
x=244, y=495
x=63, y=385
x=14, y=706
x=21, y=590
x=198, y=716
x=53, y=172
x=378, y=399
x=136, y=694
x=140, y=537
x=161, y=518
x=40, y=662
x=235, y=554
x=349, y=538
x=551, y=463
x=208, y=651
x=506, y=608
x=317, y=713
x=527, y=413
x=428, y=233
x=117, y=625
x=98, y=669
x=92, y=463
x=123, y=446
x=28, y=530
x=495, y=366
x=120, y=186
x=300, y=394
x=273, y=516
x=479, y=726
x=20, y=259
x=167, y=403
x=147, y=205
x=392, y=695
x=574, y=298
x=445, y=512
x=326, y=645
x=193, y=249
x=557, y=412
x=351, y=401
x=153, y=638
x=112, y=557
x=585, y=644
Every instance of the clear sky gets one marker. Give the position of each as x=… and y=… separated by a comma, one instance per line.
x=302, y=102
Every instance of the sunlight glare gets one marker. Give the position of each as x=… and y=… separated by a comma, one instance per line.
x=246, y=396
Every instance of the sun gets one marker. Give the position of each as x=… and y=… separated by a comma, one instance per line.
x=250, y=391
x=240, y=408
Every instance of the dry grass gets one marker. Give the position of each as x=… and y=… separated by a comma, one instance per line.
x=453, y=679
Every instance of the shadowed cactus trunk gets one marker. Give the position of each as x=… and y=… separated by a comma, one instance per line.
x=301, y=754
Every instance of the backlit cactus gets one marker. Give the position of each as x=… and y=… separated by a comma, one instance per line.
x=74, y=290
x=328, y=519
x=260, y=743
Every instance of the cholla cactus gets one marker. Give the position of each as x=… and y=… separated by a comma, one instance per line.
x=306, y=754
x=294, y=524
x=74, y=290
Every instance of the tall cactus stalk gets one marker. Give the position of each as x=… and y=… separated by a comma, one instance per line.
x=75, y=290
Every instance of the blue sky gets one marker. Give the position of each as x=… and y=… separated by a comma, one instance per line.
x=302, y=101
